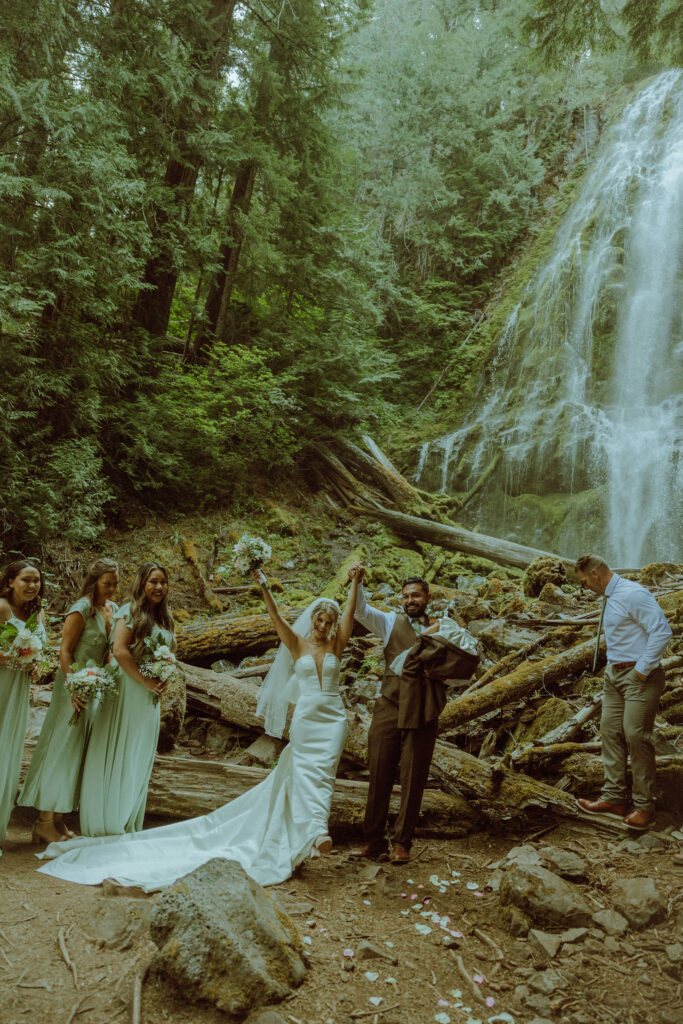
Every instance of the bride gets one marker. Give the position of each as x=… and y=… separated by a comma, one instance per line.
x=277, y=824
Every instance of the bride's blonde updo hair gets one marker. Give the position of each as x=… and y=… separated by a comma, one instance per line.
x=332, y=608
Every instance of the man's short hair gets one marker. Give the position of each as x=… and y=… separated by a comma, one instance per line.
x=586, y=563
x=418, y=581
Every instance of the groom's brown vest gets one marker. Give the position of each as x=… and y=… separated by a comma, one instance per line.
x=402, y=637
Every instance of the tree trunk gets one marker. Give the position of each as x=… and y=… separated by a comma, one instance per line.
x=183, y=787
x=153, y=306
x=190, y=553
x=224, y=636
x=218, y=299
x=454, y=538
x=524, y=679
x=373, y=472
x=564, y=732
x=587, y=775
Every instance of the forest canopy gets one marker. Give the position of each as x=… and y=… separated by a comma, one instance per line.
x=231, y=230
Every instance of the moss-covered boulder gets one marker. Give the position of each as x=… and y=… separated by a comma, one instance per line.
x=542, y=571
x=550, y=714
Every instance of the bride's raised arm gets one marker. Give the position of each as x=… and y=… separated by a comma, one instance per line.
x=346, y=621
x=283, y=629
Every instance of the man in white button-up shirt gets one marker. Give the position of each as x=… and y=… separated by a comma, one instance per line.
x=637, y=634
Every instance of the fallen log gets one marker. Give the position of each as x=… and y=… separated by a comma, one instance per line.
x=523, y=680
x=505, y=664
x=533, y=757
x=225, y=635
x=184, y=787
x=586, y=774
x=562, y=733
x=375, y=473
x=454, y=538
x=500, y=793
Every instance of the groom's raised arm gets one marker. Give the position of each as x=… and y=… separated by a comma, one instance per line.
x=379, y=623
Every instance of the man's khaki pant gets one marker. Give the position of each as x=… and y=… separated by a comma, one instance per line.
x=629, y=706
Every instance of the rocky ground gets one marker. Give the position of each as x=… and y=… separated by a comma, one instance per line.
x=458, y=935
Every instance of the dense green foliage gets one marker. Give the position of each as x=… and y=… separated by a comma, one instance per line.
x=230, y=229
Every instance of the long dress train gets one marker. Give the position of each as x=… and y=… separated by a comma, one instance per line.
x=53, y=780
x=269, y=830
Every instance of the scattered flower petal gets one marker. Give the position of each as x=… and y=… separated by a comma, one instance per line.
x=490, y=1001
x=472, y=885
x=413, y=895
x=442, y=1002
x=423, y=929
x=456, y=993
x=479, y=978
x=389, y=944
x=371, y=975
x=434, y=879
x=376, y=1000
x=348, y=953
x=367, y=903
x=308, y=940
x=442, y=1018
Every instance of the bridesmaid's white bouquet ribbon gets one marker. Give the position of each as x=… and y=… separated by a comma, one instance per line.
x=249, y=553
x=162, y=663
x=24, y=648
x=90, y=681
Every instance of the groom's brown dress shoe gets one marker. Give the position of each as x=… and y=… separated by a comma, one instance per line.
x=640, y=820
x=613, y=810
x=399, y=854
x=371, y=850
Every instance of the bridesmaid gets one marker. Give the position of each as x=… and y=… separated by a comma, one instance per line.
x=54, y=777
x=21, y=595
x=125, y=731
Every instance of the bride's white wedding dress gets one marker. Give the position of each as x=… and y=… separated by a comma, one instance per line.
x=269, y=830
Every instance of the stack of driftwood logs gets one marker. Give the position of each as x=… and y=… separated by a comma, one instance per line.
x=518, y=740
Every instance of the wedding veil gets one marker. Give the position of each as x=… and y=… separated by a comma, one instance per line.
x=280, y=687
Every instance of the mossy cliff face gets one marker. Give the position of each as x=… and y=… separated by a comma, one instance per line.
x=582, y=387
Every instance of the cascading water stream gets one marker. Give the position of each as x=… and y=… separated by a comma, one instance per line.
x=584, y=393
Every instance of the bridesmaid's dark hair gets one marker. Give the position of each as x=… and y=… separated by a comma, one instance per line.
x=141, y=611
x=92, y=575
x=10, y=572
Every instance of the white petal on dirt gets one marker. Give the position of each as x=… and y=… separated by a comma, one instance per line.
x=371, y=975
x=442, y=1018
x=308, y=940
x=423, y=929
x=501, y=1018
x=376, y=1000
x=472, y=885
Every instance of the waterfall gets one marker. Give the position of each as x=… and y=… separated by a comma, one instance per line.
x=584, y=393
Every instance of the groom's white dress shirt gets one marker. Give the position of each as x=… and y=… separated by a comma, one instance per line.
x=635, y=626
x=378, y=622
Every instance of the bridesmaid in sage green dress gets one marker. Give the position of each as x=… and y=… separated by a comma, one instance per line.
x=53, y=780
x=21, y=594
x=125, y=730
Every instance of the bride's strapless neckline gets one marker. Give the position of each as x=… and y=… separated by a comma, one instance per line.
x=328, y=654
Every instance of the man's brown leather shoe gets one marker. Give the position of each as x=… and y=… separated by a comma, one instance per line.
x=640, y=819
x=399, y=854
x=613, y=810
x=371, y=850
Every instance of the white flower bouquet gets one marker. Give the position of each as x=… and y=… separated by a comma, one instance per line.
x=24, y=648
x=90, y=681
x=161, y=664
x=250, y=553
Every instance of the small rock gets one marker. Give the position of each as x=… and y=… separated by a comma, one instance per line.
x=450, y=943
x=674, y=951
x=611, y=922
x=117, y=923
x=520, y=995
x=524, y=972
x=628, y=949
x=651, y=841
x=267, y=1017
x=574, y=934
x=223, y=939
x=366, y=951
x=593, y=946
x=292, y=907
x=515, y=920
x=611, y=945
x=563, y=862
x=546, y=982
x=537, y=1001
x=545, y=942
x=546, y=898
x=639, y=900
x=629, y=846
x=524, y=855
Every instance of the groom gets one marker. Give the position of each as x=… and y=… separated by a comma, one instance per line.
x=389, y=746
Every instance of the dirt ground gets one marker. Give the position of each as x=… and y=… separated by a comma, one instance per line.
x=337, y=903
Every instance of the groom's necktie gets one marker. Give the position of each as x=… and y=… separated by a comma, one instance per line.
x=597, y=639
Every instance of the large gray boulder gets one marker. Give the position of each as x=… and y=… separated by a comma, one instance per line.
x=639, y=901
x=546, y=898
x=224, y=940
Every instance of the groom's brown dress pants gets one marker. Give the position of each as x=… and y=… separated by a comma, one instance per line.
x=389, y=747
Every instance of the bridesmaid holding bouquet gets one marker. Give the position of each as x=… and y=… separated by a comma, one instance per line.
x=125, y=730
x=53, y=780
x=21, y=594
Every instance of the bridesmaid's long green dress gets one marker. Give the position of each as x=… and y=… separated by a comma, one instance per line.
x=120, y=754
x=53, y=780
x=15, y=687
